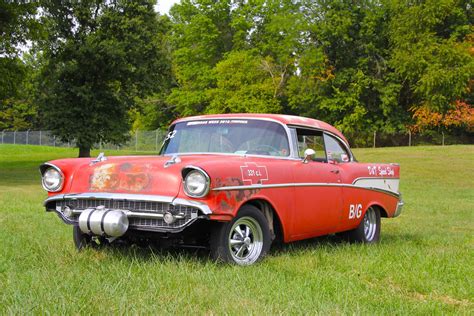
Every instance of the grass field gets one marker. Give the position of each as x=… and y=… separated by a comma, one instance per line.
x=424, y=263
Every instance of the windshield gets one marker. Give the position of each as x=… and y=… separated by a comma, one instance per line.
x=233, y=136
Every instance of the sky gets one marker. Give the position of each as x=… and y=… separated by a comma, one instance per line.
x=164, y=6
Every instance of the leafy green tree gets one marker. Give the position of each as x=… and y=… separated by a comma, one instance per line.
x=100, y=57
x=432, y=53
x=18, y=110
x=200, y=36
x=244, y=85
x=18, y=25
x=344, y=77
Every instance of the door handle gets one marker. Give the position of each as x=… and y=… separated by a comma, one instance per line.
x=336, y=171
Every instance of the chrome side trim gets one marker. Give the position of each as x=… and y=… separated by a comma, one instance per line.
x=204, y=208
x=309, y=184
x=381, y=178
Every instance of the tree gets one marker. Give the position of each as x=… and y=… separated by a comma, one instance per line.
x=244, y=85
x=460, y=116
x=432, y=52
x=100, y=57
x=18, y=25
x=18, y=111
x=200, y=36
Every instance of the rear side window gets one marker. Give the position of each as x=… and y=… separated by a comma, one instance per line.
x=311, y=139
x=335, y=150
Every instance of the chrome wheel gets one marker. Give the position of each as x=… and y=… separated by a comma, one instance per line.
x=370, y=224
x=245, y=240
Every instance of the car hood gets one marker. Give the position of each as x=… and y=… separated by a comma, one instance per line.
x=152, y=175
x=131, y=175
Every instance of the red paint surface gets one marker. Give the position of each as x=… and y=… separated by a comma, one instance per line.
x=304, y=211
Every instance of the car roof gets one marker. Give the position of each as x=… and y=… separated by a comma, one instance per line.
x=284, y=119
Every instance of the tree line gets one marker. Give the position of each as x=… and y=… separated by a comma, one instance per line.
x=97, y=69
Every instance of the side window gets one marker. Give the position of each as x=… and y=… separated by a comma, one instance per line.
x=311, y=139
x=335, y=150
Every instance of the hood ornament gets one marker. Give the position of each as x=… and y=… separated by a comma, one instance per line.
x=174, y=160
x=99, y=158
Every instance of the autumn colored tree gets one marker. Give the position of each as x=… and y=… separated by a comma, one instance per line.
x=461, y=116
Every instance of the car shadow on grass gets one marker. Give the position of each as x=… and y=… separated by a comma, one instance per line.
x=201, y=255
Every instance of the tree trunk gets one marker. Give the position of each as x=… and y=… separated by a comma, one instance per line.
x=84, y=151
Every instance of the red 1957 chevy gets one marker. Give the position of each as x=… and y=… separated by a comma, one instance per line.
x=234, y=183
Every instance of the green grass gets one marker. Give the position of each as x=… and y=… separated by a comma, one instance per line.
x=424, y=263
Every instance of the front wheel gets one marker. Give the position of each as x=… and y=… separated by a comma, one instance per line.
x=244, y=240
x=82, y=240
x=368, y=230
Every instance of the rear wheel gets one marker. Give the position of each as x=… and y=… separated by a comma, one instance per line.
x=244, y=240
x=368, y=230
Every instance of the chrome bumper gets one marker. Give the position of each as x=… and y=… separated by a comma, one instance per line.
x=398, y=211
x=145, y=212
x=130, y=197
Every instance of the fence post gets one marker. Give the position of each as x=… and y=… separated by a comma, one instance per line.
x=156, y=139
x=442, y=133
x=375, y=135
x=136, y=140
x=40, y=138
x=409, y=138
x=2, y=136
x=27, y=132
x=14, y=137
x=54, y=141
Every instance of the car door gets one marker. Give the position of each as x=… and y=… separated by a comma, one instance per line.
x=318, y=194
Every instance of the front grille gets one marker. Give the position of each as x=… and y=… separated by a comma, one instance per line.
x=189, y=213
x=135, y=206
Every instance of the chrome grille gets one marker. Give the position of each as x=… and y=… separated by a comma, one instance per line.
x=134, y=206
x=189, y=213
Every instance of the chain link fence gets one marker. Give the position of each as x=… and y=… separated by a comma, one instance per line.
x=139, y=140
x=152, y=140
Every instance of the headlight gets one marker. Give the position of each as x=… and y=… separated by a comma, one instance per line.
x=52, y=180
x=196, y=183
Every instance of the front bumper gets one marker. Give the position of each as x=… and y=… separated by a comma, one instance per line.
x=145, y=212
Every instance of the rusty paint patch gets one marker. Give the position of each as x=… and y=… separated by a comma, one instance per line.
x=229, y=199
x=120, y=177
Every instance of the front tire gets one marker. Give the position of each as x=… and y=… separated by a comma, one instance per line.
x=82, y=240
x=368, y=231
x=244, y=240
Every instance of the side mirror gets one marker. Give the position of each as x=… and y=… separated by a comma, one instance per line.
x=308, y=154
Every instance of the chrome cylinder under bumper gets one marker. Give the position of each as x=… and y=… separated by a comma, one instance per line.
x=103, y=222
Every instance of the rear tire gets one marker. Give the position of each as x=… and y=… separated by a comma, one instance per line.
x=368, y=231
x=242, y=241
